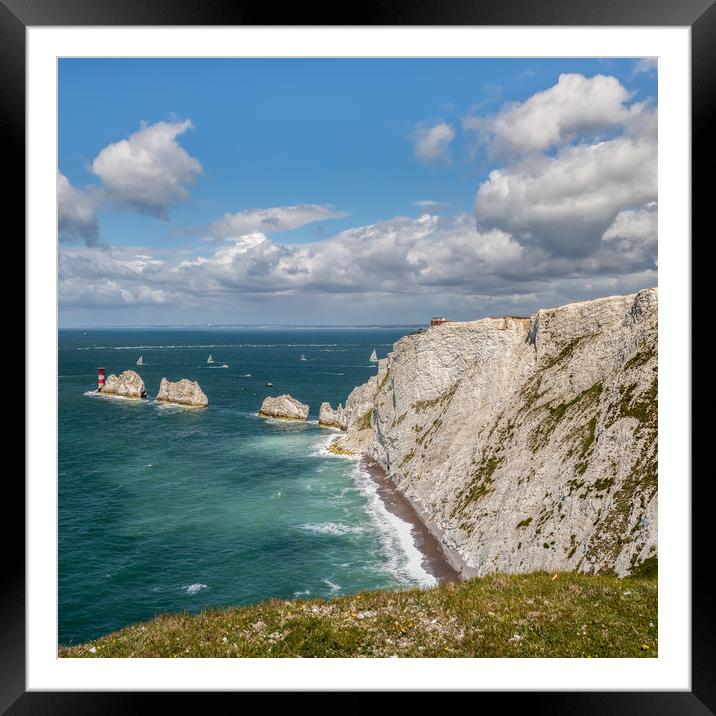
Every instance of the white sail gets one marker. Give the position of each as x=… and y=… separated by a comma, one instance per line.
x=210, y=359
x=373, y=357
x=140, y=361
x=303, y=357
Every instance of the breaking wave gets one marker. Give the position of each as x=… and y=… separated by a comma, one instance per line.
x=404, y=561
x=194, y=588
x=331, y=528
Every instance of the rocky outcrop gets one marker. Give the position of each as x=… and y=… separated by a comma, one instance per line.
x=182, y=392
x=357, y=415
x=128, y=384
x=329, y=418
x=526, y=443
x=284, y=407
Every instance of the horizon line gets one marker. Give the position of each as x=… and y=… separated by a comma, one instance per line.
x=105, y=327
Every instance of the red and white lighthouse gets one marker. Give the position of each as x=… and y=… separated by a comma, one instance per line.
x=100, y=379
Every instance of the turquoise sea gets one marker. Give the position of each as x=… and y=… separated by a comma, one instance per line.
x=167, y=509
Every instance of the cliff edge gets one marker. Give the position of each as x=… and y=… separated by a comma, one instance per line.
x=526, y=443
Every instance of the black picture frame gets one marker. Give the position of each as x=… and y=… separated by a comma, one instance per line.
x=699, y=15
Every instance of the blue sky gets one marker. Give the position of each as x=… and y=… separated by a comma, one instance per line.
x=365, y=140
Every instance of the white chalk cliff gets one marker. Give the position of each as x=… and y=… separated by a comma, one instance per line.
x=526, y=443
x=284, y=407
x=182, y=392
x=128, y=384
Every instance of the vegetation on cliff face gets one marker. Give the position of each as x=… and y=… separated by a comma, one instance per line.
x=533, y=615
x=364, y=423
x=584, y=401
x=386, y=378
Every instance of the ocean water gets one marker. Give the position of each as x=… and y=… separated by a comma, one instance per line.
x=168, y=509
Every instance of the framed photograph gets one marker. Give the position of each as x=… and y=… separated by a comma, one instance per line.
x=356, y=330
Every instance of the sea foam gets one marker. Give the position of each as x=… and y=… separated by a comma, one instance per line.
x=331, y=528
x=110, y=396
x=335, y=588
x=404, y=559
x=194, y=588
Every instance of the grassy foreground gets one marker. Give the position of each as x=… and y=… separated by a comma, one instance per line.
x=541, y=615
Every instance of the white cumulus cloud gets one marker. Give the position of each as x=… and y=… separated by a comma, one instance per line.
x=632, y=236
x=432, y=143
x=638, y=225
x=565, y=203
x=577, y=155
x=76, y=212
x=575, y=106
x=149, y=171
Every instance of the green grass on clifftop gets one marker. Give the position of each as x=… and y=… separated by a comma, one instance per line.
x=540, y=615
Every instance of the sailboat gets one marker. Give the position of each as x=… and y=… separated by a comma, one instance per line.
x=373, y=357
x=303, y=357
x=210, y=359
x=140, y=361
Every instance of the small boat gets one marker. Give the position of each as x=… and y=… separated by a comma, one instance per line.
x=225, y=365
x=269, y=385
x=140, y=361
x=303, y=357
x=210, y=359
x=373, y=357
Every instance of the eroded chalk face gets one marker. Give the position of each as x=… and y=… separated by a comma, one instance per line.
x=531, y=442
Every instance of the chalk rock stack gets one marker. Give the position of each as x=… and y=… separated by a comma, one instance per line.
x=182, y=392
x=128, y=384
x=283, y=407
x=329, y=418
